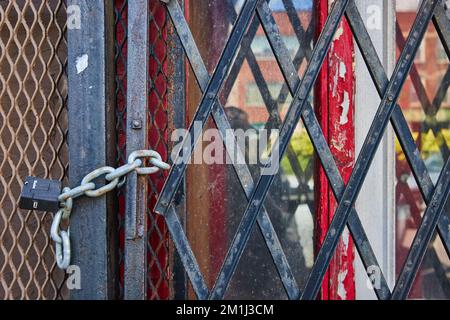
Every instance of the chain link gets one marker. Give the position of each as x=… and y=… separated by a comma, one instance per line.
x=116, y=178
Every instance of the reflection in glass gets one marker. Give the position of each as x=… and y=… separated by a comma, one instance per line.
x=255, y=97
x=425, y=104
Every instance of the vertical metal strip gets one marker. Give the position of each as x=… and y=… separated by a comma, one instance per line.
x=91, y=95
x=135, y=255
x=177, y=99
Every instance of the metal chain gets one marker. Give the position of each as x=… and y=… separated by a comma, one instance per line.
x=116, y=178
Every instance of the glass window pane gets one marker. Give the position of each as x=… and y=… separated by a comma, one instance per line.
x=424, y=101
x=255, y=99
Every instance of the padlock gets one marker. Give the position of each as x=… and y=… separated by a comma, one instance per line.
x=40, y=195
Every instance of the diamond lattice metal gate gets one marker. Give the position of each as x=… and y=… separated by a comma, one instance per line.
x=33, y=130
x=435, y=196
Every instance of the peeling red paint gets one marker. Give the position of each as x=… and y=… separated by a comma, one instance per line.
x=334, y=103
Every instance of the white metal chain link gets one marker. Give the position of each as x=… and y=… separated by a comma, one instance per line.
x=116, y=178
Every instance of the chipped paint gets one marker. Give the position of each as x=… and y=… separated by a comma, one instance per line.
x=339, y=33
x=345, y=109
x=345, y=238
x=341, y=291
x=339, y=142
x=342, y=70
x=334, y=97
x=82, y=63
x=335, y=83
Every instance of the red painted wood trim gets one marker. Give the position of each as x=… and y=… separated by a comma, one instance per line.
x=334, y=104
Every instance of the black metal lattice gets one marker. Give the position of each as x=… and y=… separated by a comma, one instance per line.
x=435, y=196
x=430, y=108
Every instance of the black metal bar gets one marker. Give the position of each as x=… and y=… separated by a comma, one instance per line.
x=241, y=56
x=271, y=104
x=281, y=52
x=186, y=255
x=442, y=24
x=135, y=251
x=263, y=88
x=440, y=271
x=177, y=97
x=320, y=145
x=242, y=170
x=423, y=235
x=433, y=257
x=91, y=92
x=398, y=120
x=297, y=26
x=414, y=73
x=302, y=53
x=429, y=108
x=292, y=117
x=441, y=92
x=208, y=100
x=369, y=148
x=304, y=37
x=264, y=222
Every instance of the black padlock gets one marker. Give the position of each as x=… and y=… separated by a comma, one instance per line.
x=40, y=194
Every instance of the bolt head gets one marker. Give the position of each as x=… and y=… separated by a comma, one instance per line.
x=136, y=124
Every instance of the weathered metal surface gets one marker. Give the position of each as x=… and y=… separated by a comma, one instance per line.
x=90, y=103
x=135, y=251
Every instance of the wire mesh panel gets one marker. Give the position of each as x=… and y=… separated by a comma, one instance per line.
x=33, y=130
x=158, y=118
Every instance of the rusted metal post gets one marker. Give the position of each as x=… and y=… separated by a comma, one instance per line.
x=334, y=101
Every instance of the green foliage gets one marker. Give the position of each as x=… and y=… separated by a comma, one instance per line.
x=304, y=150
x=429, y=143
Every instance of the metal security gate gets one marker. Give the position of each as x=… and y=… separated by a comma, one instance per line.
x=154, y=259
x=33, y=140
x=134, y=74
x=435, y=195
